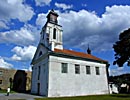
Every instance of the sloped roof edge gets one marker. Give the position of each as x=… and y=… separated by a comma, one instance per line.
x=78, y=55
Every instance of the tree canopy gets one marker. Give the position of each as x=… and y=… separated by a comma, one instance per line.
x=119, y=79
x=122, y=49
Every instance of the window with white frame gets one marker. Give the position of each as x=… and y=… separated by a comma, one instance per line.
x=64, y=67
x=77, y=69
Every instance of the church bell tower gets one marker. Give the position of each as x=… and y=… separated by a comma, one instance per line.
x=51, y=34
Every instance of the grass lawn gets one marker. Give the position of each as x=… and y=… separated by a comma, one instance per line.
x=93, y=97
x=5, y=91
x=16, y=99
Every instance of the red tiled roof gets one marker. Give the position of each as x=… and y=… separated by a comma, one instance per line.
x=79, y=54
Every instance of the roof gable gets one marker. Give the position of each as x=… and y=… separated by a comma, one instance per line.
x=41, y=50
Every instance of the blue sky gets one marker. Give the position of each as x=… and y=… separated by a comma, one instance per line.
x=94, y=22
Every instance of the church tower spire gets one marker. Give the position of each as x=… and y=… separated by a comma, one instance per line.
x=88, y=50
x=52, y=17
x=51, y=34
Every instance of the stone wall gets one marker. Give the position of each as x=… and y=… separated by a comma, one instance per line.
x=7, y=76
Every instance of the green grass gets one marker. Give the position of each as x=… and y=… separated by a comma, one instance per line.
x=16, y=99
x=92, y=97
x=5, y=91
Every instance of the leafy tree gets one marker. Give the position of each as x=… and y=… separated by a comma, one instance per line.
x=122, y=49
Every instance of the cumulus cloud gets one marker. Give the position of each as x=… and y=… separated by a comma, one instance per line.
x=83, y=27
x=63, y=6
x=3, y=25
x=23, y=54
x=41, y=19
x=27, y=35
x=42, y=2
x=88, y=28
x=4, y=64
x=14, y=9
x=118, y=70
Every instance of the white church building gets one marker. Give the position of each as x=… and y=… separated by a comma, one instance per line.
x=59, y=72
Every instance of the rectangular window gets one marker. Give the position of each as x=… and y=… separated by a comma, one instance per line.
x=39, y=68
x=0, y=81
x=97, y=71
x=77, y=69
x=42, y=35
x=1, y=73
x=47, y=36
x=88, y=70
x=54, y=33
x=64, y=67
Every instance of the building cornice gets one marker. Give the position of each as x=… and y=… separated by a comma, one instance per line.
x=76, y=57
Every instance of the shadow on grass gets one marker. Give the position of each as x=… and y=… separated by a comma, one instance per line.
x=5, y=91
x=121, y=95
x=92, y=97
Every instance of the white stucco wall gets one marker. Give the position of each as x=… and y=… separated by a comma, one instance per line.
x=43, y=78
x=71, y=84
x=58, y=41
x=34, y=81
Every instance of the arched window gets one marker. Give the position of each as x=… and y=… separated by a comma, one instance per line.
x=40, y=53
x=54, y=33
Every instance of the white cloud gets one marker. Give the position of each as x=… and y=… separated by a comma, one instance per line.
x=23, y=54
x=3, y=25
x=27, y=35
x=42, y=2
x=118, y=71
x=116, y=17
x=63, y=6
x=4, y=64
x=88, y=28
x=83, y=27
x=15, y=57
x=41, y=19
x=14, y=9
x=84, y=5
x=30, y=68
